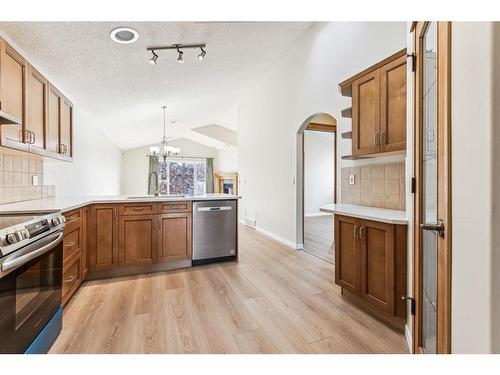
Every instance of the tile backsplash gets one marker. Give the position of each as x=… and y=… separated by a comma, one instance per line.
x=16, y=179
x=375, y=185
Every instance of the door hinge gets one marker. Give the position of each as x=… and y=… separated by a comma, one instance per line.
x=413, y=185
x=412, y=303
x=413, y=60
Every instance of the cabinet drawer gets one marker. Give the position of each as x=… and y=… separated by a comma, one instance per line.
x=71, y=279
x=71, y=243
x=73, y=220
x=173, y=207
x=138, y=208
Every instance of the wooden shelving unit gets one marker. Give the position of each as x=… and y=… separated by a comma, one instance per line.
x=346, y=135
x=354, y=157
x=347, y=113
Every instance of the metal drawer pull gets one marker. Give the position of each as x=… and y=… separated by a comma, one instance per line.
x=436, y=227
x=70, y=279
x=354, y=231
x=137, y=208
x=71, y=244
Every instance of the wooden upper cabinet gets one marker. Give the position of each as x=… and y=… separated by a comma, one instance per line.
x=12, y=96
x=175, y=237
x=137, y=240
x=393, y=105
x=53, y=121
x=366, y=114
x=378, y=106
x=346, y=253
x=36, y=103
x=377, y=264
x=103, y=237
x=66, y=129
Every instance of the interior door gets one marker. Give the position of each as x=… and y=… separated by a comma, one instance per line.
x=432, y=281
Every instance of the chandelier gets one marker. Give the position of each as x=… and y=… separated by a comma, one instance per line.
x=163, y=150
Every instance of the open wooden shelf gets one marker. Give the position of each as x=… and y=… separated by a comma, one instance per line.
x=347, y=113
x=346, y=135
x=354, y=157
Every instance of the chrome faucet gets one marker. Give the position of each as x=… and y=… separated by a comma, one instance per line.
x=157, y=189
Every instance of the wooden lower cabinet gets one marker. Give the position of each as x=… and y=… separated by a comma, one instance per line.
x=370, y=262
x=137, y=240
x=346, y=253
x=74, y=254
x=175, y=237
x=138, y=237
x=103, y=237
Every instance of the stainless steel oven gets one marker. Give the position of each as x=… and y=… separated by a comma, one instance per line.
x=30, y=282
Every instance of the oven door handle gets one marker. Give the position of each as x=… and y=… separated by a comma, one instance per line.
x=23, y=259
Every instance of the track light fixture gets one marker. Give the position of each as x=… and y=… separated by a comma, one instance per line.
x=201, y=56
x=179, y=48
x=153, y=59
x=180, y=59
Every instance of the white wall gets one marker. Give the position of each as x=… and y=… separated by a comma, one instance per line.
x=96, y=166
x=135, y=164
x=318, y=170
x=303, y=82
x=226, y=160
x=472, y=193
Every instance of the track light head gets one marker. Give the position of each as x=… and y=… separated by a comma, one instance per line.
x=180, y=59
x=153, y=59
x=201, y=56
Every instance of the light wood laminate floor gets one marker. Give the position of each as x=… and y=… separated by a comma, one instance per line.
x=275, y=300
x=318, y=237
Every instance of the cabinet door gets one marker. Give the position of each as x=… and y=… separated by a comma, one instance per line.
x=85, y=245
x=175, y=237
x=138, y=236
x=346, y=253
x=366, y=114
x=66, y=129
x=104, y=237
x=12, y=96
x=53, y=121
x=36, y=119
x=393, y=105
x=377, y=264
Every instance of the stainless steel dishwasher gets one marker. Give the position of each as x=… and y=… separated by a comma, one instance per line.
x=214, y=231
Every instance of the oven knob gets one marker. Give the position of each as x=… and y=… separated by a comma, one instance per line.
x=11, y=238
x=56, y=221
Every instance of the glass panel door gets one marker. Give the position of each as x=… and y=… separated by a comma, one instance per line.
x=429, y=238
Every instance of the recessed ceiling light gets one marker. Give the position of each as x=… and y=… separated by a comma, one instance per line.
x=124, y=35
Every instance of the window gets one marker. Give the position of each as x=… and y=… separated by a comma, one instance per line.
x=181, y=176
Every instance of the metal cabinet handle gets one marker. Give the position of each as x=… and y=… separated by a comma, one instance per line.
x=382, y=138
x=354, y=231
x=137, y=208
x=70, y=279
x=362, y=233
x=71, y=244
x=34, y=137
x=375, y=140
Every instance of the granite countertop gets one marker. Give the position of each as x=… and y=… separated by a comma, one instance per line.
x=70, y=203
x=370, y=213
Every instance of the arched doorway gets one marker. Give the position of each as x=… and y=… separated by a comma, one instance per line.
x=316, y=124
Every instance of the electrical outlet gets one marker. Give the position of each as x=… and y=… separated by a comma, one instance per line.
x=34, y=180
x=351, y=179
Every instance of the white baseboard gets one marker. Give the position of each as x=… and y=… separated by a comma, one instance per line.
x=318, y=214
x=267, y=233
x=409, y=338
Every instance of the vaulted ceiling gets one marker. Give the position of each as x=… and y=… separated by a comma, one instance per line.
x=115, y=85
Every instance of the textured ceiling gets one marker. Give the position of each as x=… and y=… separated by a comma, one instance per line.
x=123, y=93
